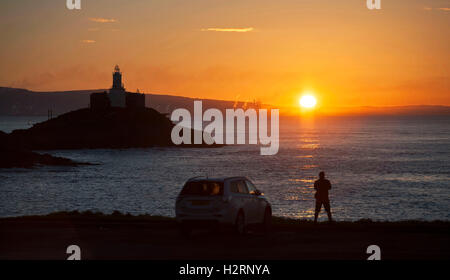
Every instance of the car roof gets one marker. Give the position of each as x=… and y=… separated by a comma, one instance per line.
x=216, y=179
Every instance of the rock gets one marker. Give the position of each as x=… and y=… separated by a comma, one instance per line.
x=89, y=129
x=28, y=159
x=86, y=129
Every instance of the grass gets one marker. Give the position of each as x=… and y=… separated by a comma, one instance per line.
x=276, y=221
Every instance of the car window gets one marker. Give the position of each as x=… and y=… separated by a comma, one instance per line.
x=242, y=187
x=251, y=187
x=234, y=187
x=205, y=188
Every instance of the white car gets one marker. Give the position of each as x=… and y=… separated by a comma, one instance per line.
x=223, y=201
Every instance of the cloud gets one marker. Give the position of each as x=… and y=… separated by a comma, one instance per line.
x=247, y=29
x=444, y=9
x=93, y=29
x=103, y=20
x=88, y=41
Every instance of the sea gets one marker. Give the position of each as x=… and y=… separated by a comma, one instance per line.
x=381, y=168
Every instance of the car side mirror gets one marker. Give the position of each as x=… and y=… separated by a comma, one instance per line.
x=258, y=192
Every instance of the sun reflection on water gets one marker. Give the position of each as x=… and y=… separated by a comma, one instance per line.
x=309, y=166
x=304, y=214
x=302, y=180
x=310, y=146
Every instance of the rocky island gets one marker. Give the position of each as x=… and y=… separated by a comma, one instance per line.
x=117, y=119
x=112, y=128
x=92, y=129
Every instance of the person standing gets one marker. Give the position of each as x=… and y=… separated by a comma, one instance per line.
x=322, y=186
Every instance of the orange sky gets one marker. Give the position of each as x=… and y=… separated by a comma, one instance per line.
x=258, y=49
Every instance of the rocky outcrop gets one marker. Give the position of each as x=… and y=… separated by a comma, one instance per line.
x=89, y=129
x=86, y=129
x=27, y=159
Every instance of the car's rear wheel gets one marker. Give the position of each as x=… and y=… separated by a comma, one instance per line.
x=240, y=224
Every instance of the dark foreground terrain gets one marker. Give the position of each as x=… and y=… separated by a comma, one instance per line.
x=119, y=236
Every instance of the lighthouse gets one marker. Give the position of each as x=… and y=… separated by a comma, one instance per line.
x=117, y=79
x=117, y=94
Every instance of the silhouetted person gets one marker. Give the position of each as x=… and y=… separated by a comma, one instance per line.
x=322, y=186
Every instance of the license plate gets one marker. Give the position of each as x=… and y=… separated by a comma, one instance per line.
x=200, y=202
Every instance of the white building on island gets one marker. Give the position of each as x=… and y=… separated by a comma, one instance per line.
x=117, y=96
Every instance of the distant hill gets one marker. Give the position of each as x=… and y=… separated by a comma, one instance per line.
x=15, y=102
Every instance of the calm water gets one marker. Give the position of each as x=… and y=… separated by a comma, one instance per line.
x=383, y=169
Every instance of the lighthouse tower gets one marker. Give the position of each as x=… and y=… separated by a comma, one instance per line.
x=117, y=96
x=117, y=93
x=117, y=78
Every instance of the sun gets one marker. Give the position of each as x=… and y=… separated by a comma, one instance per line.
x=307, y=101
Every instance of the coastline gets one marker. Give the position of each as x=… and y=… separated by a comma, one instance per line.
x=123, y=236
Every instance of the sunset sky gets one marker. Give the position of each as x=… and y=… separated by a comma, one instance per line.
x=344, y=53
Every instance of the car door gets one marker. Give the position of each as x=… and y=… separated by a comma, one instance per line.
x=236, y=200
x=247, y=200
x=257, y=204
x=239, y=199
